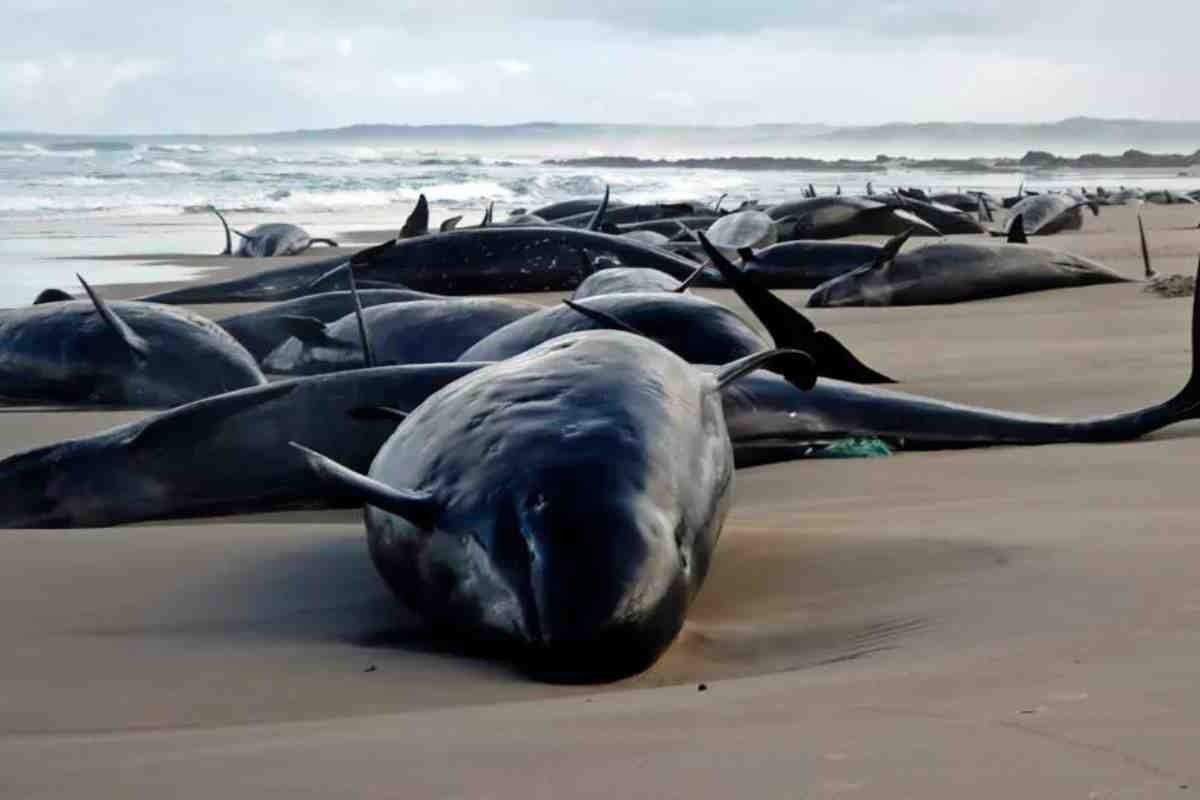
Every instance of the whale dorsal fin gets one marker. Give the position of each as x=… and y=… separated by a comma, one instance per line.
x=1145, y=249
x=597, y=220
x=51, y=296
x=798, y=367
x=139, y=346
x=378, y=414
x=419, y=508
x=601, y=317
x=1016, y=230
x=228, y=251
x=720, y=200
x=417, y=223
x=185, y=421
x=450, y=224
x=746, y=253
x=487, y=215
x=891, y=248
x=367, y=255
x=308, y=330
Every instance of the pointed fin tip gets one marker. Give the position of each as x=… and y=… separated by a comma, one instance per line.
x=378, y=414
x=796, y=366
x=597, y=220
x=139, y=346
x=419, y=508
x=601, y=317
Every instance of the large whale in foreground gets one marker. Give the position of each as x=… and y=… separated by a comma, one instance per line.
x=585, y=559
x=490, y=260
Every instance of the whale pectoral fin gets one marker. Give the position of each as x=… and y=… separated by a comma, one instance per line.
x=450, y=224
x=328, y=275
x=598, y=218
x=791, y=329
x=139, y=346
x=417, y=223
x=1016, y=230
x=182, y=425
x=378, y=414
x=419, y=508
x=228, y=251
x=605, y=319
x=309, y=330
x=797, y=367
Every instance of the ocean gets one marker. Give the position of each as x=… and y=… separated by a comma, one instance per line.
x=67, y=208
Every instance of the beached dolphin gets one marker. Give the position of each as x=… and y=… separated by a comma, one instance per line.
x=627, y=215
x=562, y=506
x=417, y=332
x=121, y=353
x=262, y=331
x=952, y=272
x=834, y=217
x=1045, y=214
x=624, y=280
x=1167, y=197
x=221, y=455
x=743, y=229
x=947, y=219
x=270, y=239
x=769, y=420
x=806, y=263
x=489, y=260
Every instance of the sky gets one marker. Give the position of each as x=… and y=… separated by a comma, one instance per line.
x=77, y=66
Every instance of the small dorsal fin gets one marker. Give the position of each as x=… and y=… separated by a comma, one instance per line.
x=487, y=215
x=308, y=330
x=1145, y=249
x=139, y=346
x=797, y=366
x=188, y=422
x=419, y=508
x=839, y=190
x=368, y=255
x=417, y=223
x=597, y=220
x=450, y=224
x=364, y=340
x=812, y=192
x=247, y=236
x=689, y=280
x=1016, y=230
x=228, y=251
x=985, y=213
x=720, y=200
x=378, y=414
x=870, y=189
x=746, y=253
x=601, y=317
x=891, y=248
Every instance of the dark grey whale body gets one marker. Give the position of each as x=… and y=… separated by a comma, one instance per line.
x=585, y=560
x=262, y=331
x=270, y=239
x=806, y=263
x=1045, y=214
x=946, y=272
x=418, y=332
x=220, y=455
x=121, y=353
x=835, y=217
x=489, y=260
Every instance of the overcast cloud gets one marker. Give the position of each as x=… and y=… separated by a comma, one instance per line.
x=119, y=66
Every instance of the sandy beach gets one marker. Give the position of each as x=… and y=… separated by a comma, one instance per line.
x=926, y=625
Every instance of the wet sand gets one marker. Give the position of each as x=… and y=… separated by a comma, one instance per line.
x=926, y=625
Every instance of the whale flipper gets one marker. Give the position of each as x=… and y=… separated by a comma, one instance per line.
x=798, y=367
x=891, y=248
x=309, y=330
x=450, y=224
x=139, y=346
x=1016, y=230
x=602, y=317
x=419, y=508
x=378, y=414
x=686, y=283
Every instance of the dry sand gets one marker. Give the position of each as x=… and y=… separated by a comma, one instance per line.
x=980, y=622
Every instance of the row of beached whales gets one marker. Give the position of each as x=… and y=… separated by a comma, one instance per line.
x=552, y=482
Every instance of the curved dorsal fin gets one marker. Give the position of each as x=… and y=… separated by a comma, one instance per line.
x=367, y=255
x=797, y=366
x=487, y=215
x=689, y=280
x=597, y=220
x=139, y=346
x=419, y=508
x=891, y=248
x=228, y=251
x=417, y=223
x=450, y=224
x=368, y=356
x=51, y=296
x=720, y=200
x=601, y=317
x=308, y=330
